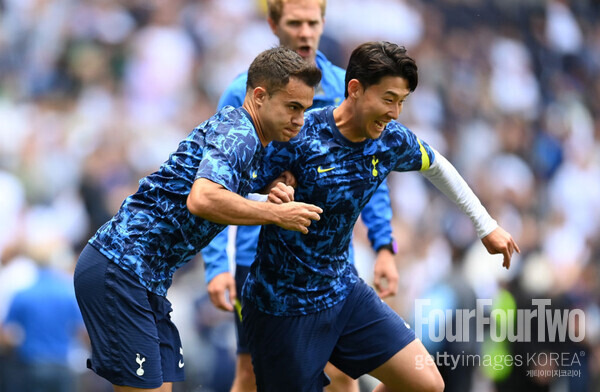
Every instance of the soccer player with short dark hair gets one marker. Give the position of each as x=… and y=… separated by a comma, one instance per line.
x=122, y=276
x=303, y=305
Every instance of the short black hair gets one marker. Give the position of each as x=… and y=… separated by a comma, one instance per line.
x=273, y=68
x=372, y=61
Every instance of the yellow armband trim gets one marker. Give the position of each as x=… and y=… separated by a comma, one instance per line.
x=424, y=157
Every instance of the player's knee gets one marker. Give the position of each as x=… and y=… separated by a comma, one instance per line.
x=434, y=383
x=430, y=381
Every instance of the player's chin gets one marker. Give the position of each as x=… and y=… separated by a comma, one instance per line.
x=375, y=133
x=288, y=134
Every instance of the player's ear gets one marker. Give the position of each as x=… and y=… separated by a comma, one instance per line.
x=259, y=95
x=272, y=25
x=354, y=88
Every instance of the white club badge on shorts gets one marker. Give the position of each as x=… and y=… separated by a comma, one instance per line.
x=140, y=361
x=181, y=364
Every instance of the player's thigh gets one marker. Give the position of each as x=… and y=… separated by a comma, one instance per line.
x=340, y=381
x=244, y=372
x=411, y=369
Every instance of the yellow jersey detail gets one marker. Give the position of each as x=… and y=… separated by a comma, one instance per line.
x=321, y=170
x=424, y=157
x=375, y=161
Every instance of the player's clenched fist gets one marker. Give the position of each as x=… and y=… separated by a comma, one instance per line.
x=297, y=216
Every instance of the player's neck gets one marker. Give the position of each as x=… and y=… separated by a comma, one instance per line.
x=345, y=121
x=253, y=111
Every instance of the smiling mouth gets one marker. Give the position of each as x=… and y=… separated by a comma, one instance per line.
x=380, y=124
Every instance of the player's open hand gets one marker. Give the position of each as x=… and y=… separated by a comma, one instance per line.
x=217, y=289
x=297, y=216
x=500, y=241
x=281, y=193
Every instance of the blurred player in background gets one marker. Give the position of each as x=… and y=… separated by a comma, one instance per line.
x=303, y=304
x=299, y=25
x=122, y=276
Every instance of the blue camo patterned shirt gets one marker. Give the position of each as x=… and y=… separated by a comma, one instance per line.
x=153, y=233
x=296, y=274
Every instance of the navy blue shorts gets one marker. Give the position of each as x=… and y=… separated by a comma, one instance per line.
x=357, y=335
x=134, y=341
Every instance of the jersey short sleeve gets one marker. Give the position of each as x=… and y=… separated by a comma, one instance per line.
x=228, y=151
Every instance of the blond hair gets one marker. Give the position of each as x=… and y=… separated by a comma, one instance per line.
x=275, y=8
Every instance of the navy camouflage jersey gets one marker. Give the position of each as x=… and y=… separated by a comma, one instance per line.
x=153, y=233
x=296, y=274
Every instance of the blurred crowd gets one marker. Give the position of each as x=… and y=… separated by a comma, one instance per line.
x=95, y=94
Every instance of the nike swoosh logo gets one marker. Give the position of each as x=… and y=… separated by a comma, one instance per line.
x=180, y=364
x=321, y=170
x=254, y=175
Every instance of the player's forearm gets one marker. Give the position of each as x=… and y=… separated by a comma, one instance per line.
x=228, y=208
x=445, y=178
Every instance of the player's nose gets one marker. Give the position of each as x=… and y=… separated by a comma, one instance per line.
x=298, y=121
x=305, y=30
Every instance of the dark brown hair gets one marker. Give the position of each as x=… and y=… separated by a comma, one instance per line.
x=273, y=68
x=372, y=61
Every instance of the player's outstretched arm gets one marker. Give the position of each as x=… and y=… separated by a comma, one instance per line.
x=500, y=241
x=213, y=202
x=445, y=177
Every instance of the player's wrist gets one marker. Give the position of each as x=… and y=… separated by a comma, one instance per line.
x=391, y=246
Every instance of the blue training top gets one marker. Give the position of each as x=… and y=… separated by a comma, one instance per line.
x=154, y=233
x=297, y=274
x=376, y=215
x=47, y=312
